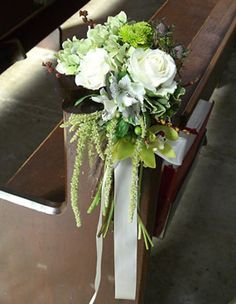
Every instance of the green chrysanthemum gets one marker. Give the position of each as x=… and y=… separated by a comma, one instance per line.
x=139, y=34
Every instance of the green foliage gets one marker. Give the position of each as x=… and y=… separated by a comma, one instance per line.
x=110, y=131
x=122, y=128
x=174, y=101
x=180, y=91
x=83, y=98
x=85, y=131
x=134, y=182
x=139, y=34
x=155, y=107
x=96, y=138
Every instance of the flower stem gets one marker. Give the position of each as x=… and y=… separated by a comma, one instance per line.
x=107, y=221
x=96, y=200
x=143, y=231
x=110, y=215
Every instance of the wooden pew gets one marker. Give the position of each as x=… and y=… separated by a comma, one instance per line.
x=51, y=260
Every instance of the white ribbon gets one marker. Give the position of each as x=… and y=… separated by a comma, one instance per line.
x=99, y=245
x=125, y=234
x=179, y=146
x=185, y=141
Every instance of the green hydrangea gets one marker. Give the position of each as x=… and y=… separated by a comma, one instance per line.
x=139, y=34
x=83, y=46
x=98, y=35
x=68, y=59
x=114, y=23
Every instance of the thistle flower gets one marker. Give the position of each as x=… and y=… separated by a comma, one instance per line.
x=161, y=28
x=179, y=51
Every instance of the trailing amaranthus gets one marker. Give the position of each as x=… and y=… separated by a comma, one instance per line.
x=111, y=127
x=83, y=135
x=134, y=182
x=85, y=128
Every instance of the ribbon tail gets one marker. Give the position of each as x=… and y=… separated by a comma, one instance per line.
x=125, y=234
x=99, y=246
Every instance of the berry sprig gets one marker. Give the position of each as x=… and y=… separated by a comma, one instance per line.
x=51, y=69
x=90, y=22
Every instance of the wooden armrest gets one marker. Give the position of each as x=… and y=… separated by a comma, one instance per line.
x=207, y=28
x=43, y=174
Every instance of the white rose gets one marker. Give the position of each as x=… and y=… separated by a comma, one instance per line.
x=93, y=69
x=152, y=68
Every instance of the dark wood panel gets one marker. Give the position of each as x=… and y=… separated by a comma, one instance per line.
x=205, y=51
x=188, y=16
x=30, y=26
x=43, y=174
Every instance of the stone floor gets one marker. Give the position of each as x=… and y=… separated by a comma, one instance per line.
x=195, y=263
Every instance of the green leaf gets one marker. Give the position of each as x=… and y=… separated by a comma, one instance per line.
x=150, y=93
x=121, y=74
x=155, y=107
x=164, y=101
x=122, y=128
x=122, y=149
x=147, y=119
x=107, y=82
x=148, y=157
x=81, y=99
x=170, y=133
x=180, y=91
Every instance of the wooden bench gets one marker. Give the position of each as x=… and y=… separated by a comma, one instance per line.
x=54, y=259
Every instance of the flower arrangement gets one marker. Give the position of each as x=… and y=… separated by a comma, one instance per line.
x=132, y=70
x=130, y=73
